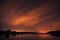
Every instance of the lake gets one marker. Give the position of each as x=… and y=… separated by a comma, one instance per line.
x=29, y=37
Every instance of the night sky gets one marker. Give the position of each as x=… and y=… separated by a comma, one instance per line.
x=29, y=15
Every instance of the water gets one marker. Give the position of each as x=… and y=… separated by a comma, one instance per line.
x=29, y=37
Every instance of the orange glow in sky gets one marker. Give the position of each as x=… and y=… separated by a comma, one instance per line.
x=35, y=16
x=21, y=30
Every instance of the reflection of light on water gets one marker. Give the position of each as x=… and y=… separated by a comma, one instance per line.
x=42, y=34
x=32, y=36
x=46, y=36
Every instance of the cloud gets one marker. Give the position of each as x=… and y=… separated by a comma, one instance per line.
x=29, y=14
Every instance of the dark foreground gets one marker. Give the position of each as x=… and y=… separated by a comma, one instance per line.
x=29, y=37
x=12, y=35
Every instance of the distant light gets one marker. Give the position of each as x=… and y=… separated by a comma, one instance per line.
x=21, y=30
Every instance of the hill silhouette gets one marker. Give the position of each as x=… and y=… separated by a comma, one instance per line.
x=54, y=33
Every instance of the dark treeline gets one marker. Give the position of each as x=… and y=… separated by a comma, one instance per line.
x=14, y=32
x=7, y=33
x=54, y=33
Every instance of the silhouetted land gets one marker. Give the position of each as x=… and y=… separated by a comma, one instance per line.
x=14, y=32
x=54, y=33
x=7, y=33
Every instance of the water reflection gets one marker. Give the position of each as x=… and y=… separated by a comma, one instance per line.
x=13, y=35
x=29, y=37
